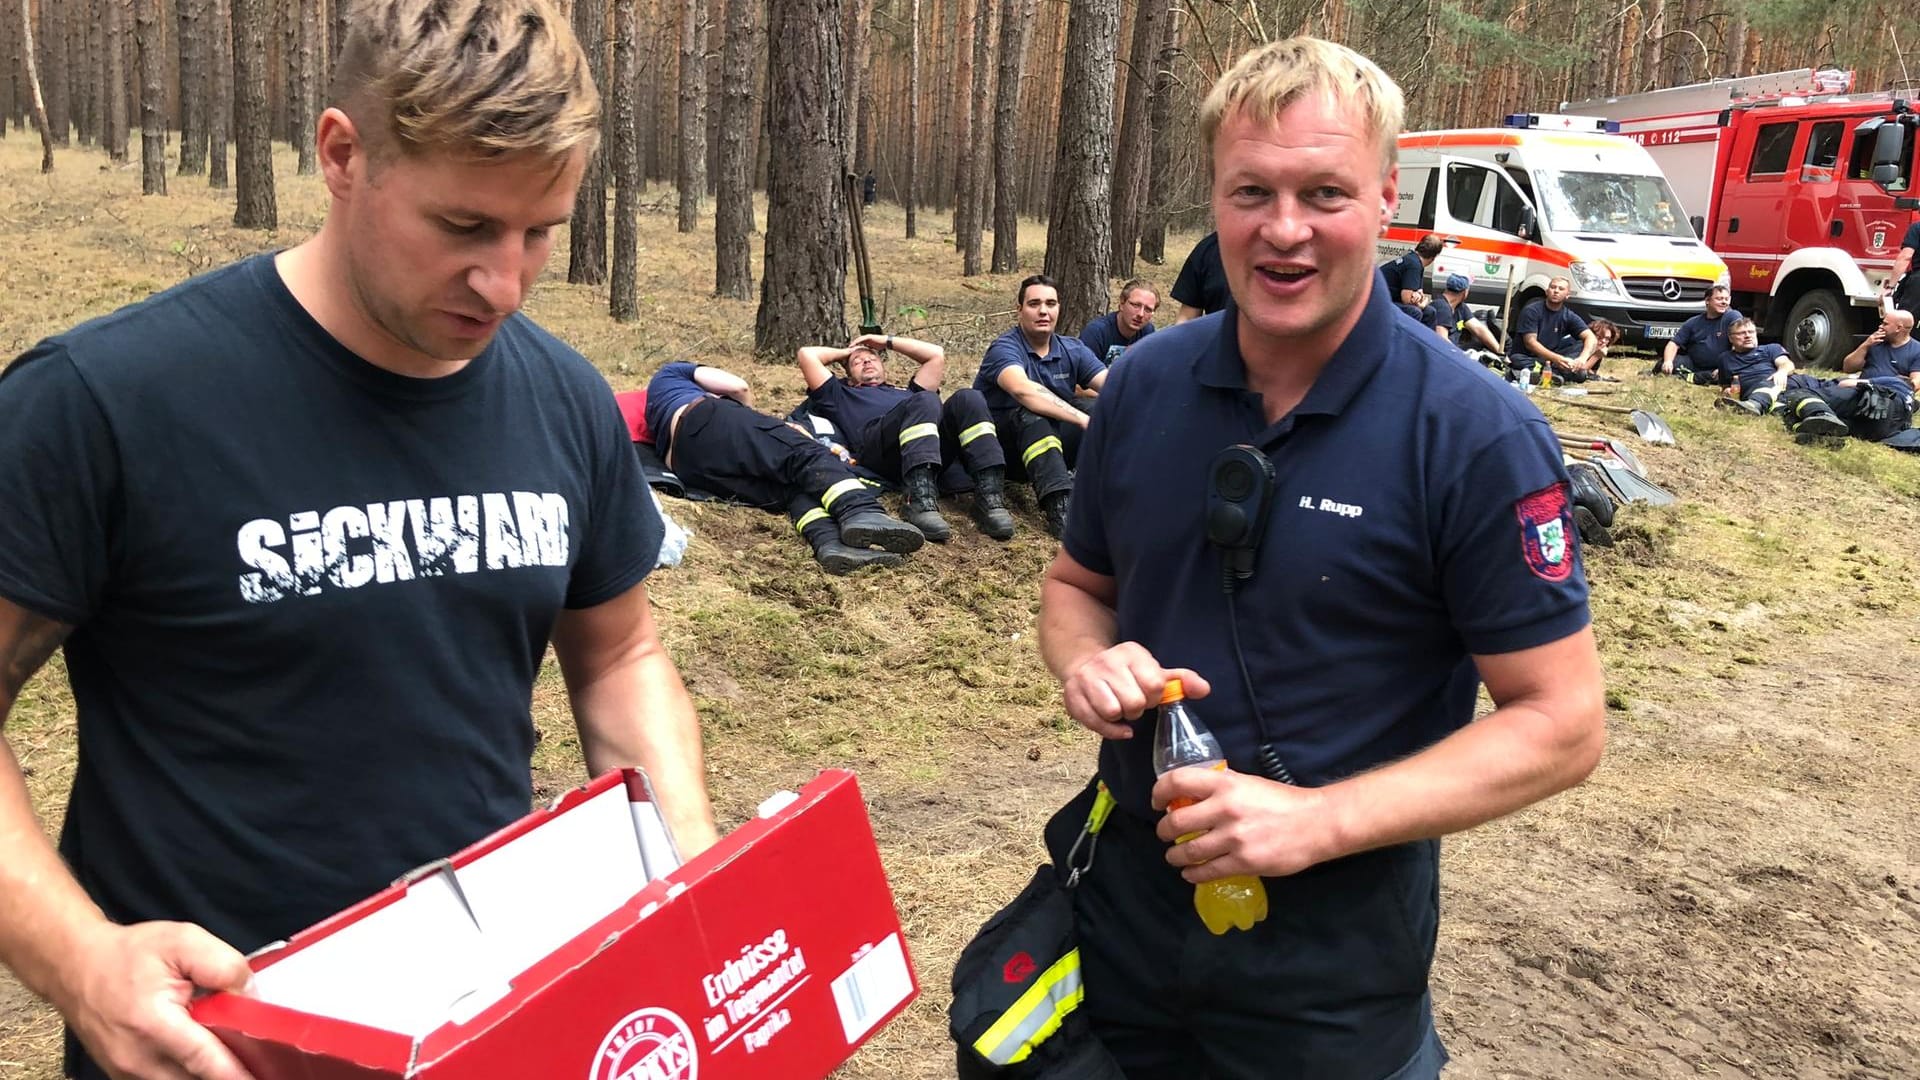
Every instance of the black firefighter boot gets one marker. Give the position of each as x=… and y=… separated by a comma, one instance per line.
x=837, y=558
x=990, y=502
x=923, y=503
x=868, y=526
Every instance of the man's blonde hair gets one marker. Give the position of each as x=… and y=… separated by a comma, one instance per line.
x=1268, y=79
x=475, y=78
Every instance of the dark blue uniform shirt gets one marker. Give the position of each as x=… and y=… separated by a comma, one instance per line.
x=671, y=387
x=1203, y=277
x=1752, y=369
x=1419, y=516
x=1703, y=341
x=1889, y=365
x=1445, y=315
x=1559, y=331
x=1068, y=364
x=1405, y=272
x=852, y=408
x=1103, y=336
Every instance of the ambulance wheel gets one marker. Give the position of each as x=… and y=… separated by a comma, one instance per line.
x=1819, y=329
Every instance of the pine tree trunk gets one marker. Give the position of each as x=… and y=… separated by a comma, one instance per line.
x=1153, y=217
x=97, y=74
x=974, y=150
x=33, y=87
x=80, y=75
x=913, y=115
x=623, y=290
x=803, y=281
x=219, y=75
x=255, y=207
x=733, y=200
x=53, y=62
x=116, y=81
x=587, y=231
x=1080, y=228
x=1006, y=143
x=192, y=16
x=307, y=87
x=8, y=99
x=1132, y=155
x=337, y=34
x=153, y=100
x=693, y=125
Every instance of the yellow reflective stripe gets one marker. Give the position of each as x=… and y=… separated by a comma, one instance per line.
x=809, y=518
x=851, y=483
x=984, y=427
x=1103, y=803
x=918, y=432
x=1036, y=1015
x=1041, y=446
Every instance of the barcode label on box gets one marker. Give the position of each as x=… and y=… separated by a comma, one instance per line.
x=872, y=987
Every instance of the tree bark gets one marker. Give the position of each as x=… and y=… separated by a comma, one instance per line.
x=693, y=124
x=192, y=17
x=306, y=91
x=623, y=290
x=1006, y=142
x=9, y=100
x=153, y=101
x=1153, y=218
x=733, y=199
x=219, y=76
x=803, y=281
x=913, y=115
x=1079, y=226
x=1132, y=156
x=33, y=87
x=116, y=84
x=858, y=77
x=973, y=158
x=53, y=65
x=255, y=207
x=587, y=231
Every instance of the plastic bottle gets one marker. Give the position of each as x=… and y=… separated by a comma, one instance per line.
x=1181, y=741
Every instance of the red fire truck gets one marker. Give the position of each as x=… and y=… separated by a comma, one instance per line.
x=1797, y=183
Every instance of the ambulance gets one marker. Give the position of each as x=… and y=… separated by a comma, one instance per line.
x=1548, y=196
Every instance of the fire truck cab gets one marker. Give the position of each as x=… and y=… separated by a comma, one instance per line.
x=1798, y=183
x=1554, y=196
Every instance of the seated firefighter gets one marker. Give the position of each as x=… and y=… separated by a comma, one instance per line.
x=906, y=434
x=1874, y=399
x=1456, y=323
x=701, y=421
x=1757, y=378
x=1550, y=332
x=1028, y=377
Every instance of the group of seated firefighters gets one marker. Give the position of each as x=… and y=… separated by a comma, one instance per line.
x=1021, y=421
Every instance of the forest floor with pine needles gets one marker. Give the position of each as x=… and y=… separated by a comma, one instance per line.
x=1733, y=893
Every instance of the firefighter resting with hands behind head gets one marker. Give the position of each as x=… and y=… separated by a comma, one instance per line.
x=1421, y=545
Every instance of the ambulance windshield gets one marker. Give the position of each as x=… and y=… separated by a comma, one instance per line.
x=1587, y=202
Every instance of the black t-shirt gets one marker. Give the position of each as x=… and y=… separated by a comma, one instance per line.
x=1444, y=315
x=310, y=596
x=852, y=408
x=1203, y=280
x=1405, y=272
x=1559, y=331
x=1103, y=336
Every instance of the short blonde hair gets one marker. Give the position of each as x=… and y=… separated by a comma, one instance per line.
x=476, y=78
x=1274, y=76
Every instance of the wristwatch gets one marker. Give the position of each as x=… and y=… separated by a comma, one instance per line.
x=889, y=342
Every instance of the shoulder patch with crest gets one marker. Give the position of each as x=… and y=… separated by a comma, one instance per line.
x=1546, y=532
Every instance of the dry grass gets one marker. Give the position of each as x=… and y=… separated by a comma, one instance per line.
x=1730, y=894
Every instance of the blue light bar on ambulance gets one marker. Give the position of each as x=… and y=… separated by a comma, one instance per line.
x=1563, y=122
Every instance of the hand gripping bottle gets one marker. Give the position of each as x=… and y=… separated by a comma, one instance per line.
x=1180, y=740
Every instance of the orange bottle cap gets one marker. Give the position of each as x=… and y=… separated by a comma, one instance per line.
x=1173, y=692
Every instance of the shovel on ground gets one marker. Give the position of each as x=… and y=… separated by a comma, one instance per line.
x=1651, y=426
x=1614, y=448
x=1619, y=469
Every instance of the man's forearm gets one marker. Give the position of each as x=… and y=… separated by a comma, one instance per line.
x=1042, y=401
x=1074, y=626
x=640, y=714
x=43, y=911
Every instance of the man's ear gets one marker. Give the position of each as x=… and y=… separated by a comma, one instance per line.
x=342, y=153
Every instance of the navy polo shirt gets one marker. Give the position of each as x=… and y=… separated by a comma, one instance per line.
x=1068, y=364
x=1559, y=331
x=1889, y=365
x=1703, y=340
x=1420, y=516
x=1752, y=369
x=671, y=387
x=852, y=408
x=1203, y=277
x=1103, y=336
x=1405, y=272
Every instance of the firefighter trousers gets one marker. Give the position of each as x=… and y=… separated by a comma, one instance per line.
x=1039, y=451
x=923, y=430
x=734, y=452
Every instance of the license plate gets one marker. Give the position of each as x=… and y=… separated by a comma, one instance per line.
x=1661, y=333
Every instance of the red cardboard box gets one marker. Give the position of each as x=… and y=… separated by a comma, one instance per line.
x=549, y=950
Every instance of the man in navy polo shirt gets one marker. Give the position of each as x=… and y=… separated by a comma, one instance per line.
x=1454, y=321
x=1421, y=544
x=906, y=433
x=1550, y=332
x=1700, y=346
x=1407, y=279
x=1029, y=376
x=1110, y=334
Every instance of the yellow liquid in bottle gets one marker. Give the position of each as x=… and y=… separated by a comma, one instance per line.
x=1229, y=903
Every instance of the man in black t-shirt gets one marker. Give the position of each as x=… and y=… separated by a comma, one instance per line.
x=315, y=520
x=1550, y=332
x=1903, y=284
x=906, y=433
x=1407, y=279
x=1455, y=321
x=1699, y=348
x=1201, y=288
